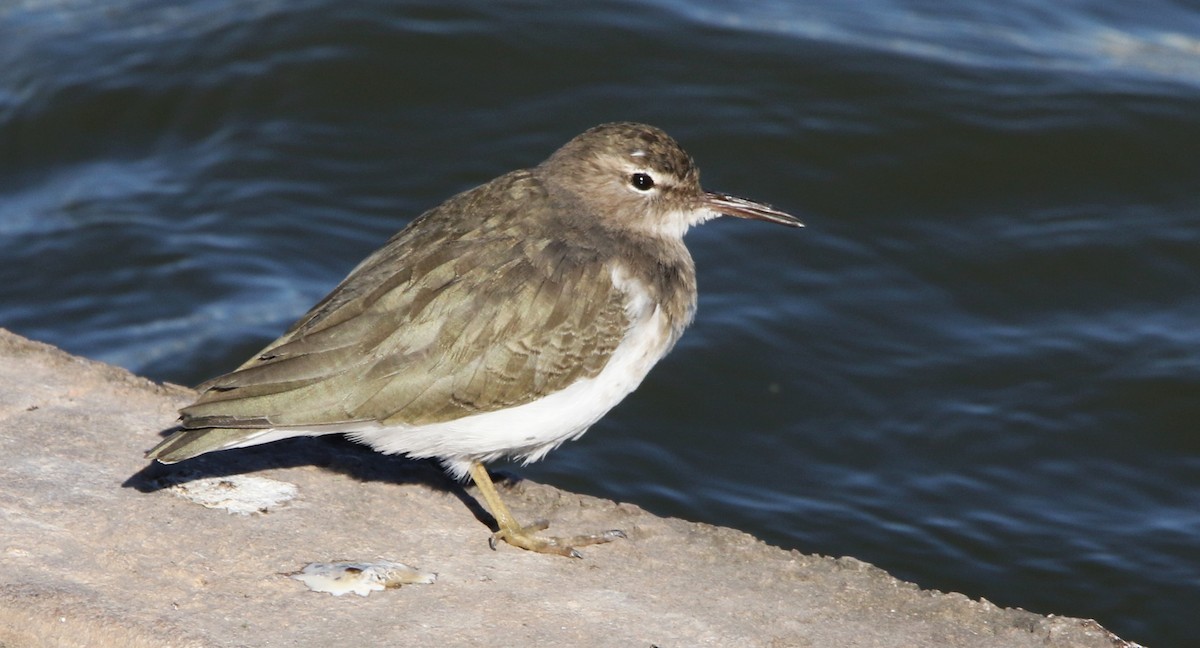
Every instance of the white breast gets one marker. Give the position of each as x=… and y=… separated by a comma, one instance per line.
x=529, y=431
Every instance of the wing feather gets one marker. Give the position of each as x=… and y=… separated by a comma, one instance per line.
x=442, y=322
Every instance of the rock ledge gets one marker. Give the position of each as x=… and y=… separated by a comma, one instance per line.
x=95, y=550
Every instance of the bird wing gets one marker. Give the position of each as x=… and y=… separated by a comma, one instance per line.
x=445, y=321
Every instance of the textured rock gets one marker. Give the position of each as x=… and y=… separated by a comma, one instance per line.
x=97, y=550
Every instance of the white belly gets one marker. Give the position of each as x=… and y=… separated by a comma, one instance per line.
x=529, y=431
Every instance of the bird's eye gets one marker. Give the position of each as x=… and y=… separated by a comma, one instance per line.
x=641, y=181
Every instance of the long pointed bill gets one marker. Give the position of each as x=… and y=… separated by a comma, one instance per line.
x=742, y=208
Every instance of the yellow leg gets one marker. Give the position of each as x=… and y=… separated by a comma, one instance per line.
x=524, y=537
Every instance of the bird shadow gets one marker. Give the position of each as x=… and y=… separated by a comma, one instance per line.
x=334, y=453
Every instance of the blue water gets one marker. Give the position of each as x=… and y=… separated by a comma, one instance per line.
x=978, y=367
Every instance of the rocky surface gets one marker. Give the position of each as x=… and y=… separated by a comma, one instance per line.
x=99, y=548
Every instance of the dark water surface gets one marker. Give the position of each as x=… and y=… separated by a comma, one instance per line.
x=978, y=368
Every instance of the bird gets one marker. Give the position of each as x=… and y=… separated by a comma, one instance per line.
x=499, y=324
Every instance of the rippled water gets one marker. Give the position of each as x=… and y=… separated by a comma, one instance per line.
x=978, y=368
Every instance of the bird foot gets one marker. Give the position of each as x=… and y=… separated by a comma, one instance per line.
x=527, y=538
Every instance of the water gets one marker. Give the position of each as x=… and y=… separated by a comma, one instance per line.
x=978, y=368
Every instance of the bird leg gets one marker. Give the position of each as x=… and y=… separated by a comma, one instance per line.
x=525, y=537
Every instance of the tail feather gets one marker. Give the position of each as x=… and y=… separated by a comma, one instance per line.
x=186, y=444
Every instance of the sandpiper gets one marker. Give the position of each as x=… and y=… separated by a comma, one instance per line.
x=501, y=323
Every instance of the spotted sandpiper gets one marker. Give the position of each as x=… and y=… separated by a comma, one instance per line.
x=501, y=323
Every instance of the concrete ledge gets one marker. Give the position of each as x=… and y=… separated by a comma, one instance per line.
x=94, y=551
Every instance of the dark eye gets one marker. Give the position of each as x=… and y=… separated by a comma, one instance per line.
x=641, y=181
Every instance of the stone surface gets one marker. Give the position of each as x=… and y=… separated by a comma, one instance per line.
x=96, y=550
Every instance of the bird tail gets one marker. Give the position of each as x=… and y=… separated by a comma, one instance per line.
x=195, y=441
x=186, y=444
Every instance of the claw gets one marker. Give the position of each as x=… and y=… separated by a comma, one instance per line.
x=526, y=537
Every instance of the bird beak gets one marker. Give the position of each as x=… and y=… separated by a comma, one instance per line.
x=740, y=207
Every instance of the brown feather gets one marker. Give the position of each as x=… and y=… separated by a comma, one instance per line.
x=442, y=322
